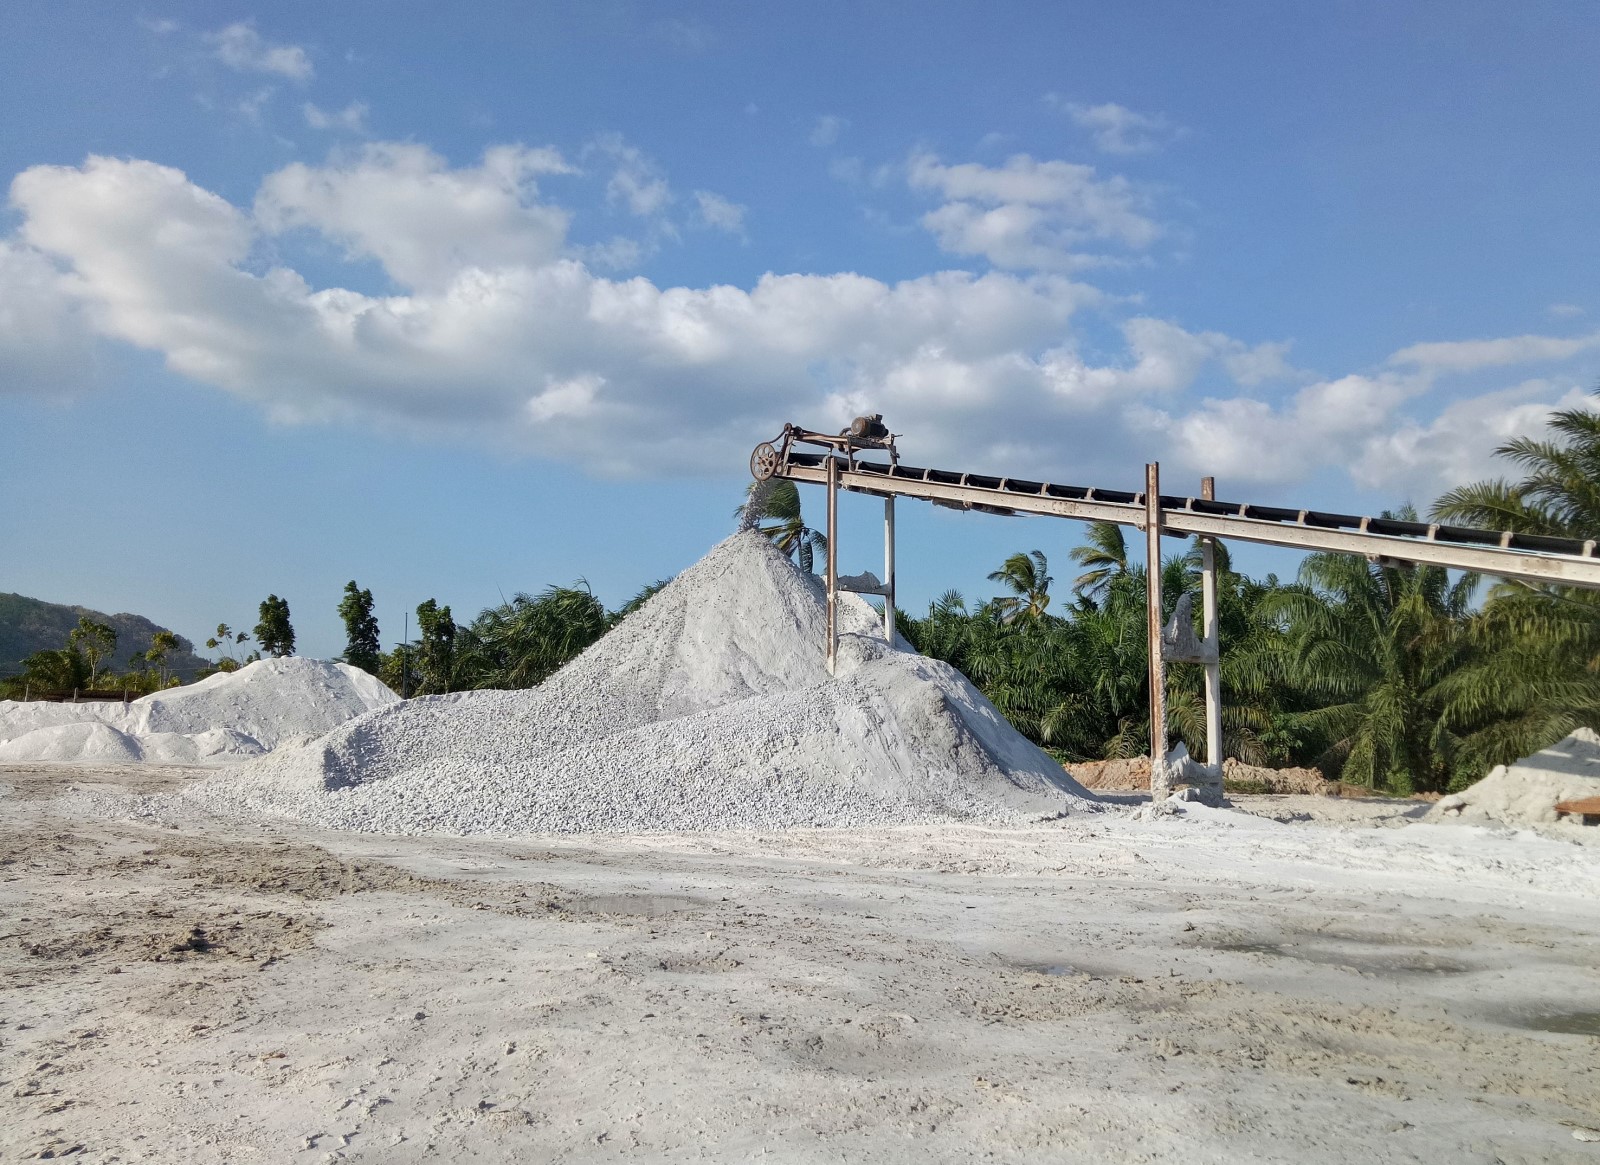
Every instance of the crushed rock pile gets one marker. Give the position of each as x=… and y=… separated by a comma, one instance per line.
x=1526, y=793
x=227, y=717
x=708, y=708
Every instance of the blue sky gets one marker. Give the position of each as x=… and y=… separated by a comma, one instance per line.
x=464, y=300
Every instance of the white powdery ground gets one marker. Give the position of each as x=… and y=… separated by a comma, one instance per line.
x=709, y=708
x=226, y=717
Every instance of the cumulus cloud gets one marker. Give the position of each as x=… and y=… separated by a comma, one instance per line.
x=1468, y=355
x=1423, y=459
x=241, y=47
x=46, y=345
x=1116, y=128
x=501, y=330
x=352, y=118
x=1249, y=439
x=1028, y=214
x=425, y=222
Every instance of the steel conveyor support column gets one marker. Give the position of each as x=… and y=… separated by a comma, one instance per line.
x=888, y=570
x=1160, y=782
x=833, y=563
x=1213, y=645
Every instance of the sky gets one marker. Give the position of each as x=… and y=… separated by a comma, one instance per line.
x=465, y=300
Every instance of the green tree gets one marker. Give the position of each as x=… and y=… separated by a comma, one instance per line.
x=57, y=670
x=1104, y=559
x=225, y=641
x=1536, y=675
x=274, y=633
x=161, y=643
x=1374, y=646
x=95, y=641
x=777, y=504
x=360, y=629
x=1027, y=577
x=436, y=648
x=519, y=644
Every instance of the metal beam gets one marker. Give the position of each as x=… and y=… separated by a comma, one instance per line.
x=1493, y=553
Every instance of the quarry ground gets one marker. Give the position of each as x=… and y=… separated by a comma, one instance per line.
x=1217, y=988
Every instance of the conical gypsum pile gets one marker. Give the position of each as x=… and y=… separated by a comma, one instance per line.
x=709, y=708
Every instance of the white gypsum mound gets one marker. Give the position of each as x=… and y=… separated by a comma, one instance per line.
x=1526, y=793
x=709, y=708
x=228, y=716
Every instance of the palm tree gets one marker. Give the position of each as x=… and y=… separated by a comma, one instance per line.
x=777, y=502
x=1560, y=494
x=1537, y=676
x=1027, y=577
x=1105, y=558
x=521, y=643
x=1374, y=647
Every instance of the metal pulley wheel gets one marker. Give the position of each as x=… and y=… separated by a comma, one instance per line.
x=764, y=462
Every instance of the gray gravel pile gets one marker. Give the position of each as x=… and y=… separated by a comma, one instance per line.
x=709, y=708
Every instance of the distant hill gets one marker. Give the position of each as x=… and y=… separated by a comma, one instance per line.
x=30, y=625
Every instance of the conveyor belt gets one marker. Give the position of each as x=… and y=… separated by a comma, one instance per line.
x=1528, y=557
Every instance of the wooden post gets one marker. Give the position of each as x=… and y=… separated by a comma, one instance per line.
x=1160, y=782
x=888, y=570
x=1213, y=644
x=833, y=562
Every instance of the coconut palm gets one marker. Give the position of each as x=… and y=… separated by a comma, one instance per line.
x=777, y=503
x=1105, y=558
x=1027, y=577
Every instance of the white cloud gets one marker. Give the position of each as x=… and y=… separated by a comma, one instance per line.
x=1247, y=439
x=825, y=130
x=1467, y=355
x=423, y=221
x=45, y=343
x=352, y=118
x=1564, y=311
x=719, y=213
x=1028, y=214
x=1422, y=460
x=1118, y=129
x=241, y=47
x=505, y=334
x=252, y=104
x=636, y=181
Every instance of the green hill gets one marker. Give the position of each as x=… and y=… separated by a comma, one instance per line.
x=30, y=625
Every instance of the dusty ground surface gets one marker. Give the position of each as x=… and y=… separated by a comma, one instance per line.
x=1215, y=988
